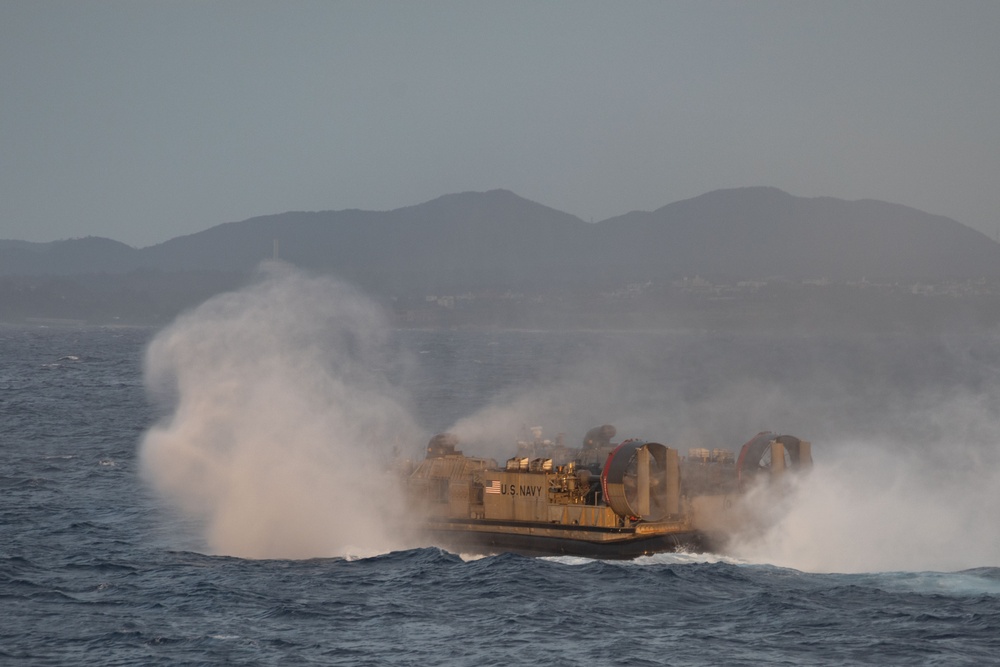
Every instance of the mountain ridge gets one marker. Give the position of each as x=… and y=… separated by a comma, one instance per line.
x=496, y=240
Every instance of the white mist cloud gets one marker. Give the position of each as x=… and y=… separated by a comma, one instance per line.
x=888, y=506
x=280, y=420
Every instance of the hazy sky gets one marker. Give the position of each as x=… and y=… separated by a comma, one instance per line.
x=142, y=121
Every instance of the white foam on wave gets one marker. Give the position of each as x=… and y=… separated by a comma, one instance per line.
x=471, y=557
x=945, y=583
x=685, y=558
x=664, y=558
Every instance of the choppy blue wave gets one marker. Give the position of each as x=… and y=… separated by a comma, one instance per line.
x=94, y=571
x=431, y=607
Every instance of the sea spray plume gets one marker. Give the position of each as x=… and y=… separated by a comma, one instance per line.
x=906, y=485
x=887, y=506
x=571, y=392
x=280, y=420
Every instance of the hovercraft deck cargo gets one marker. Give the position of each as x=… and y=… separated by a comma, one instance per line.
x=604, y=500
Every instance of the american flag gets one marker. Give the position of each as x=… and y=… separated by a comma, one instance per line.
x=492, y=487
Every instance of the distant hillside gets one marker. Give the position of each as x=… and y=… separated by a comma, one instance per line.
x=763, y=232
x=498, y=241
x=72, y=257
x=491, y=240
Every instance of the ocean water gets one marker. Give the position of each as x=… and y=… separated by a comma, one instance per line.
x=99, y=566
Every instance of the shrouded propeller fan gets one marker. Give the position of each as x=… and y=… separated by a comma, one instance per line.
x=758, y=455
x=640, y=480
